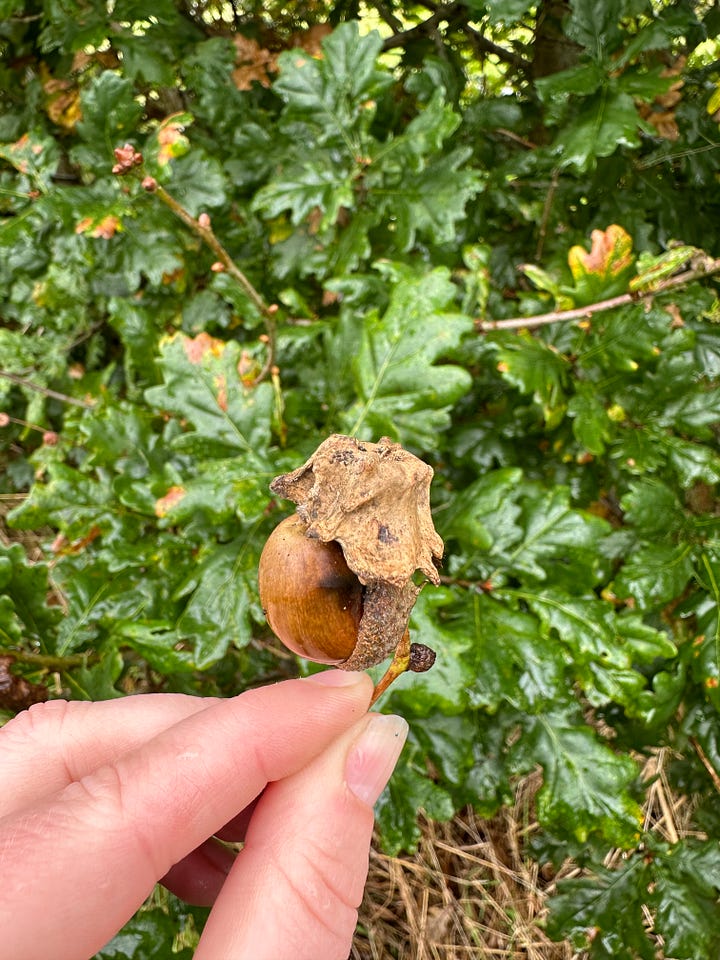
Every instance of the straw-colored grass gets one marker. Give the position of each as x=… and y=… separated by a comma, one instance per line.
x=472, y=891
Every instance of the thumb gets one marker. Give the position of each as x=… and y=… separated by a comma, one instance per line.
x=295, y=887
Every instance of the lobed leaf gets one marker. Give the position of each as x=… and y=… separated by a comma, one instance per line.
x=401, y=389
x=587, y=788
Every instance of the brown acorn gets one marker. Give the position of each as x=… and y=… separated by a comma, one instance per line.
x=311, y=598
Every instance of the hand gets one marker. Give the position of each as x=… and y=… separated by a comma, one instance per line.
x=100, y=801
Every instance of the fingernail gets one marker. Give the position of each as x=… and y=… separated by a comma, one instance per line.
x=373, y=756
x=336, y=678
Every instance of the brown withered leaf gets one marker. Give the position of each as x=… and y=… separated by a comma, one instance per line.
x=254, y=63
x=310, y=40
x=661, y=112
x=17, y=693
x=374, y=500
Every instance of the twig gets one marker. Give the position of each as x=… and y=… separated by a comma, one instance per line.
x=516, y=138
x=706, y=763
x=424, y=28
x=388, y=16
x=130, y=161
x=547, y=207
x=46, y=391
x=205, y=232
x=707, y=269
x=483, y=46
x=481, y=586
x=48, y=661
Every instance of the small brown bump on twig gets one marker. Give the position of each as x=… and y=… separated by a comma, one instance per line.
x=422, y=657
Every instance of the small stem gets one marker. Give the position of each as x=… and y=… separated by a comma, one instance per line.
x=207, y=235
x=424, y=28
x=481, y=586
x=46, y=391
x=48, y=661
x=547, y=208
x=707, y=269
x=712, y=772
x=6, y=418
x=400, y=663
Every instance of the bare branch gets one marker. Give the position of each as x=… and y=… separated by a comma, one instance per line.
x=46, y=391
x=202, y=229
x=706, y=269
x=482, y=47
x=427, y=27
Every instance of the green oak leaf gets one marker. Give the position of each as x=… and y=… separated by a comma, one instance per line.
x=602, y=912
x=432, y=201
x=590, y=422
x=332, y=93
x=516, y=662
x=607, y=121
x=605, y=650
x=536, y=370
x=409, y=791
x=221, y=590
x=97, y=680
x=25, y=616
x=110, y=114
x=447, y=687
x=483, y=517
x=501, y=11
x=655, y=574
x=401, y=388
x=652, y=506
x=559, y=543
x=73, y=502
x=305, y=187
x=587, y=788
x=202, y=384
x=198, y=182
x=149, y=935
x=686, y=886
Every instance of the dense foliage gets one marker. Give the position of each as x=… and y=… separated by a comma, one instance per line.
x=323, y=220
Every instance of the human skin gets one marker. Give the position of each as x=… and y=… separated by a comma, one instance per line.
x=100, y=801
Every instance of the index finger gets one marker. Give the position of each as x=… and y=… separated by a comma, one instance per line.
x=46, y=747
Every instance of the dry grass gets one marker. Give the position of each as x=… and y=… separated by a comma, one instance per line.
x=469, y=892
x=472, y=891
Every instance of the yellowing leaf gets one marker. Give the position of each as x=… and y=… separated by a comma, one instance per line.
x=105, y=228
x=164, y=505
x=171, y=139
x=713, y=104
x=610, y=254
x=197, y=348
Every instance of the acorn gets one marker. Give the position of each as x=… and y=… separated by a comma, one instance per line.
x=311, y=598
